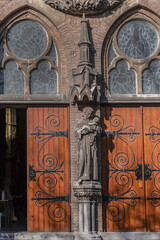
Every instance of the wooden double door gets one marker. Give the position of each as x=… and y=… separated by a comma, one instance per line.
x=131, y=168
x=48, y=169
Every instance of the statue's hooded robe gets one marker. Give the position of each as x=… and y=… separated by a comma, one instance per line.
x=87, y=151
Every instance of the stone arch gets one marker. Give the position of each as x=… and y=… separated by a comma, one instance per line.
x=126, y=16
x=21, y=10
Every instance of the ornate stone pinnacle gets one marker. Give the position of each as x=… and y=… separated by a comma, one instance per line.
x=85, y=76
x=84, y=44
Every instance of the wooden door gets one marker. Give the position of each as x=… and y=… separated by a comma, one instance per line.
x=151, y=122
x=48, y=169
x=122, y=162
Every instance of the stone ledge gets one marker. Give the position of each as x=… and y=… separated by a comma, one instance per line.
x=75, y=236
x=130, y=235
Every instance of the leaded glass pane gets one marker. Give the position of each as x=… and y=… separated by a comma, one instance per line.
x=151, y=78
x=44, y=79
x=27, y=39
x=112, y=54
x=122, y=80
x=11, y=79
x=138, y=39
x=53, y=53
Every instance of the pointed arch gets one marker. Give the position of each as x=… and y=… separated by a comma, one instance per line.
x=112, y=51
x=55, y=46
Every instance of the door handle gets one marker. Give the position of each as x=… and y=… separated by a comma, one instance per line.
x=138, y=172
x=147, y=172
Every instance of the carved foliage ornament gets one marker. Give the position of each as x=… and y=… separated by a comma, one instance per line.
x=79, y=6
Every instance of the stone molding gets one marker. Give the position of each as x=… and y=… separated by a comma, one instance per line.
x=83, y=6
x=87, y=191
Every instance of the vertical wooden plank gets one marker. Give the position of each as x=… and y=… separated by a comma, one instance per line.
x=30, y=145
x=121, y=153
x=50, y=156
x=152, y=153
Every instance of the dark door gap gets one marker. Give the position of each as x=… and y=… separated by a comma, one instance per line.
x=13, y=170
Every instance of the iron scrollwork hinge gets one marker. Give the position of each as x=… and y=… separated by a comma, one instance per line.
x=116, y=198
x=153, y=198
x=137, y=171
x=52, y=198
x=32, y=172
x=53, y=134
x=152, y=134
x=116, y=133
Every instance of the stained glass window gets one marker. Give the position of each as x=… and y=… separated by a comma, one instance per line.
x=27, y=39
x=138, y=39
x=112, y=54
x=122, y=80
x=11, y=79
x=44, y=79
x=151, y=78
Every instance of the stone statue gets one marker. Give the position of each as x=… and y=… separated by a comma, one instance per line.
x=87, y=130
x=79, y=6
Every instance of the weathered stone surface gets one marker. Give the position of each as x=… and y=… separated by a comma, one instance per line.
x=87, y=130
x=79, y=6
x=85, y=87
x=82, y=236
x=88, y=191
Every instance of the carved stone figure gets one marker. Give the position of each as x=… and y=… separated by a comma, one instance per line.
x=86, y=131
x=79, y=6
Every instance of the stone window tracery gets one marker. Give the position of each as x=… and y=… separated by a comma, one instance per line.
x=28, y=58
x=133, y=60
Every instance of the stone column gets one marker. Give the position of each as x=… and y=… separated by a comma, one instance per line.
x=88, y=194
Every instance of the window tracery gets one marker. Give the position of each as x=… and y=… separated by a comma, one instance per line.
x=133, y=61
x=28, y=58
x=122, y=79
x=151, y=78
x=44, y=79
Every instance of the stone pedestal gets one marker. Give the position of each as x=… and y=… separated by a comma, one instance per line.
x=88, y=194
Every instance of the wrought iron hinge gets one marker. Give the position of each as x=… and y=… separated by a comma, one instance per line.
x=52, y=198
x=137, y=171
x=147, y=172
x=153, y=198
x=116, y=133
x=32, y=172
x=53, y=134
x=116, y=198
x=152, y=134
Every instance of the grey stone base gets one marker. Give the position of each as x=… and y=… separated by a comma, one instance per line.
x=131, y=236
x=84, y=236
x=80, y=236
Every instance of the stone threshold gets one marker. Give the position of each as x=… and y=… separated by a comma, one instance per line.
x=79, y=236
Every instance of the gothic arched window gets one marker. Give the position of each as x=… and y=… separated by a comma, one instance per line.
x=28, y=58
x=133, y=60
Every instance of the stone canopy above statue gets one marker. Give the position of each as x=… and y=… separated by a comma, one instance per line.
x=83, y=6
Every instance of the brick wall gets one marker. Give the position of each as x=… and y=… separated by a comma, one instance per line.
x=66, y=32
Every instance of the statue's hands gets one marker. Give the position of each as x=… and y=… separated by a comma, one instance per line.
x=93, y=128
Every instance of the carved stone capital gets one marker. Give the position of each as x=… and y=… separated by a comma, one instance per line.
x=87, y=191
x=83, y=6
